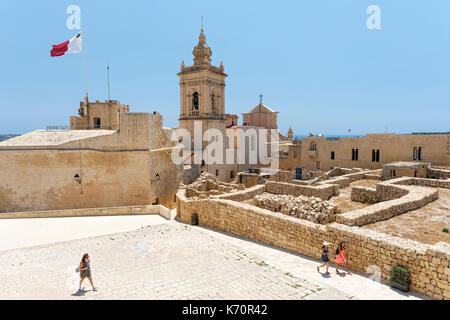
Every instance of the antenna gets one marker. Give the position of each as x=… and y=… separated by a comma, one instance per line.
x=201, y=22
x=109, y=89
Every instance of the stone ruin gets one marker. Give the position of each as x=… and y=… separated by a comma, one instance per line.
x=302, y=207
x=207, y=185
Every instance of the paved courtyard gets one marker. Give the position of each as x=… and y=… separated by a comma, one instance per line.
x=176, y=261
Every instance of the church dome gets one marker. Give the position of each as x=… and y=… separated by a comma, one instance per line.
x=202, y=52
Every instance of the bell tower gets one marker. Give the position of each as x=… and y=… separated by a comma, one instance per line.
x=202, y=92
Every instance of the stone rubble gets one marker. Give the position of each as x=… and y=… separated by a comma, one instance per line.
x=308, y=208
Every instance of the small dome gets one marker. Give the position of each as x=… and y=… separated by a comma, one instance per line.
x=202, y=52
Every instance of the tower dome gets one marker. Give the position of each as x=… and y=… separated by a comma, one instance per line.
x=202, y=52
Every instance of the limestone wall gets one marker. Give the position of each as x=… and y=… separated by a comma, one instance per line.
x=323, y=192
x=429, y=265
x=414, y=199
x=282, y=176
x=243, y=194
x=392, y=147
x=111, y=211
x=435, y=173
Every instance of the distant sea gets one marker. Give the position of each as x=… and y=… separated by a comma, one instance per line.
x=331, y=136
x=4, y=137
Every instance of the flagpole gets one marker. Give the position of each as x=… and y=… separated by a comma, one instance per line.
x=85, y=71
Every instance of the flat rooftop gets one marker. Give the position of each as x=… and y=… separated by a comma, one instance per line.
x=52, y=138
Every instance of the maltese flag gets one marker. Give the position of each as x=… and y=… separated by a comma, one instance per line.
x=71, y=46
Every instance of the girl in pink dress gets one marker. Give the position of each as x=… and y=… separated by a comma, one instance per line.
x=340, y=257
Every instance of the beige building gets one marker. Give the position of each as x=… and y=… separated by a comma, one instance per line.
x=374, y=150
x=98, y=115
x=261, y=116
x=49, y=170
x=202, y=100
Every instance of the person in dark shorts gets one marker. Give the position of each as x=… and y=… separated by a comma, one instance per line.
x=85, y=271
x=325, y=258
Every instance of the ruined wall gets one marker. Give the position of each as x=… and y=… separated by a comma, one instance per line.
x=429, y=265
x=323, y=192
x=242, y=194
x=282, y=176
x=435, y=173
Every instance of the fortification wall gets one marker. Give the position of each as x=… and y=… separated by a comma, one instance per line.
x=367, y=249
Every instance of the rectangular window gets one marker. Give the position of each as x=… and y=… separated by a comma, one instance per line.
x=96, y=123
x=354, y=154
x=378, y=156
x=318, y=164
x=373, y=155
x=420, y=153
x=332, y=155
x=295, y=154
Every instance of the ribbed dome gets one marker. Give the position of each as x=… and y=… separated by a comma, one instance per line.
x=202, y=52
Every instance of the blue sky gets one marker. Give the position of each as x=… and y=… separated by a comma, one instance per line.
x=315, y=61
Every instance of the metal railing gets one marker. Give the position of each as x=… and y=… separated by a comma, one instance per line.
x=58, y=128
x=196, y=114
x=92, y=127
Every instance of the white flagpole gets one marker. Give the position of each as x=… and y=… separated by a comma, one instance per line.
x=85, y=70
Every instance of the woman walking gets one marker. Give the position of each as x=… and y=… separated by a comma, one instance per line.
x=325, y=258
x=340, y=257
x=85, y=271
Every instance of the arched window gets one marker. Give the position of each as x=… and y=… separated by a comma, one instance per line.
x=420, y=153
x=195, y=101
x=378, y=155
x=313, y=146
x=415, y=153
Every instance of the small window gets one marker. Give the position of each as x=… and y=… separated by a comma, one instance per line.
x=415, y=153
x=217, y=172
x=295, y=154
x=318, y=164
x=420, y=153
x=332, y=155
x=354, y=154
x=392, y=173
x=373, y=155
x=377, y=156
x=232, y=175
x=313, y=147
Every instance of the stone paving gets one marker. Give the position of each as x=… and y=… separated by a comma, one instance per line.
x=170, y=261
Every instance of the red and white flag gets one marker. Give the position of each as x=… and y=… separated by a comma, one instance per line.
x=73, y=45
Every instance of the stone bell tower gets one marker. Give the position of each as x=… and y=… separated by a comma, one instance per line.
x=202, y=93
